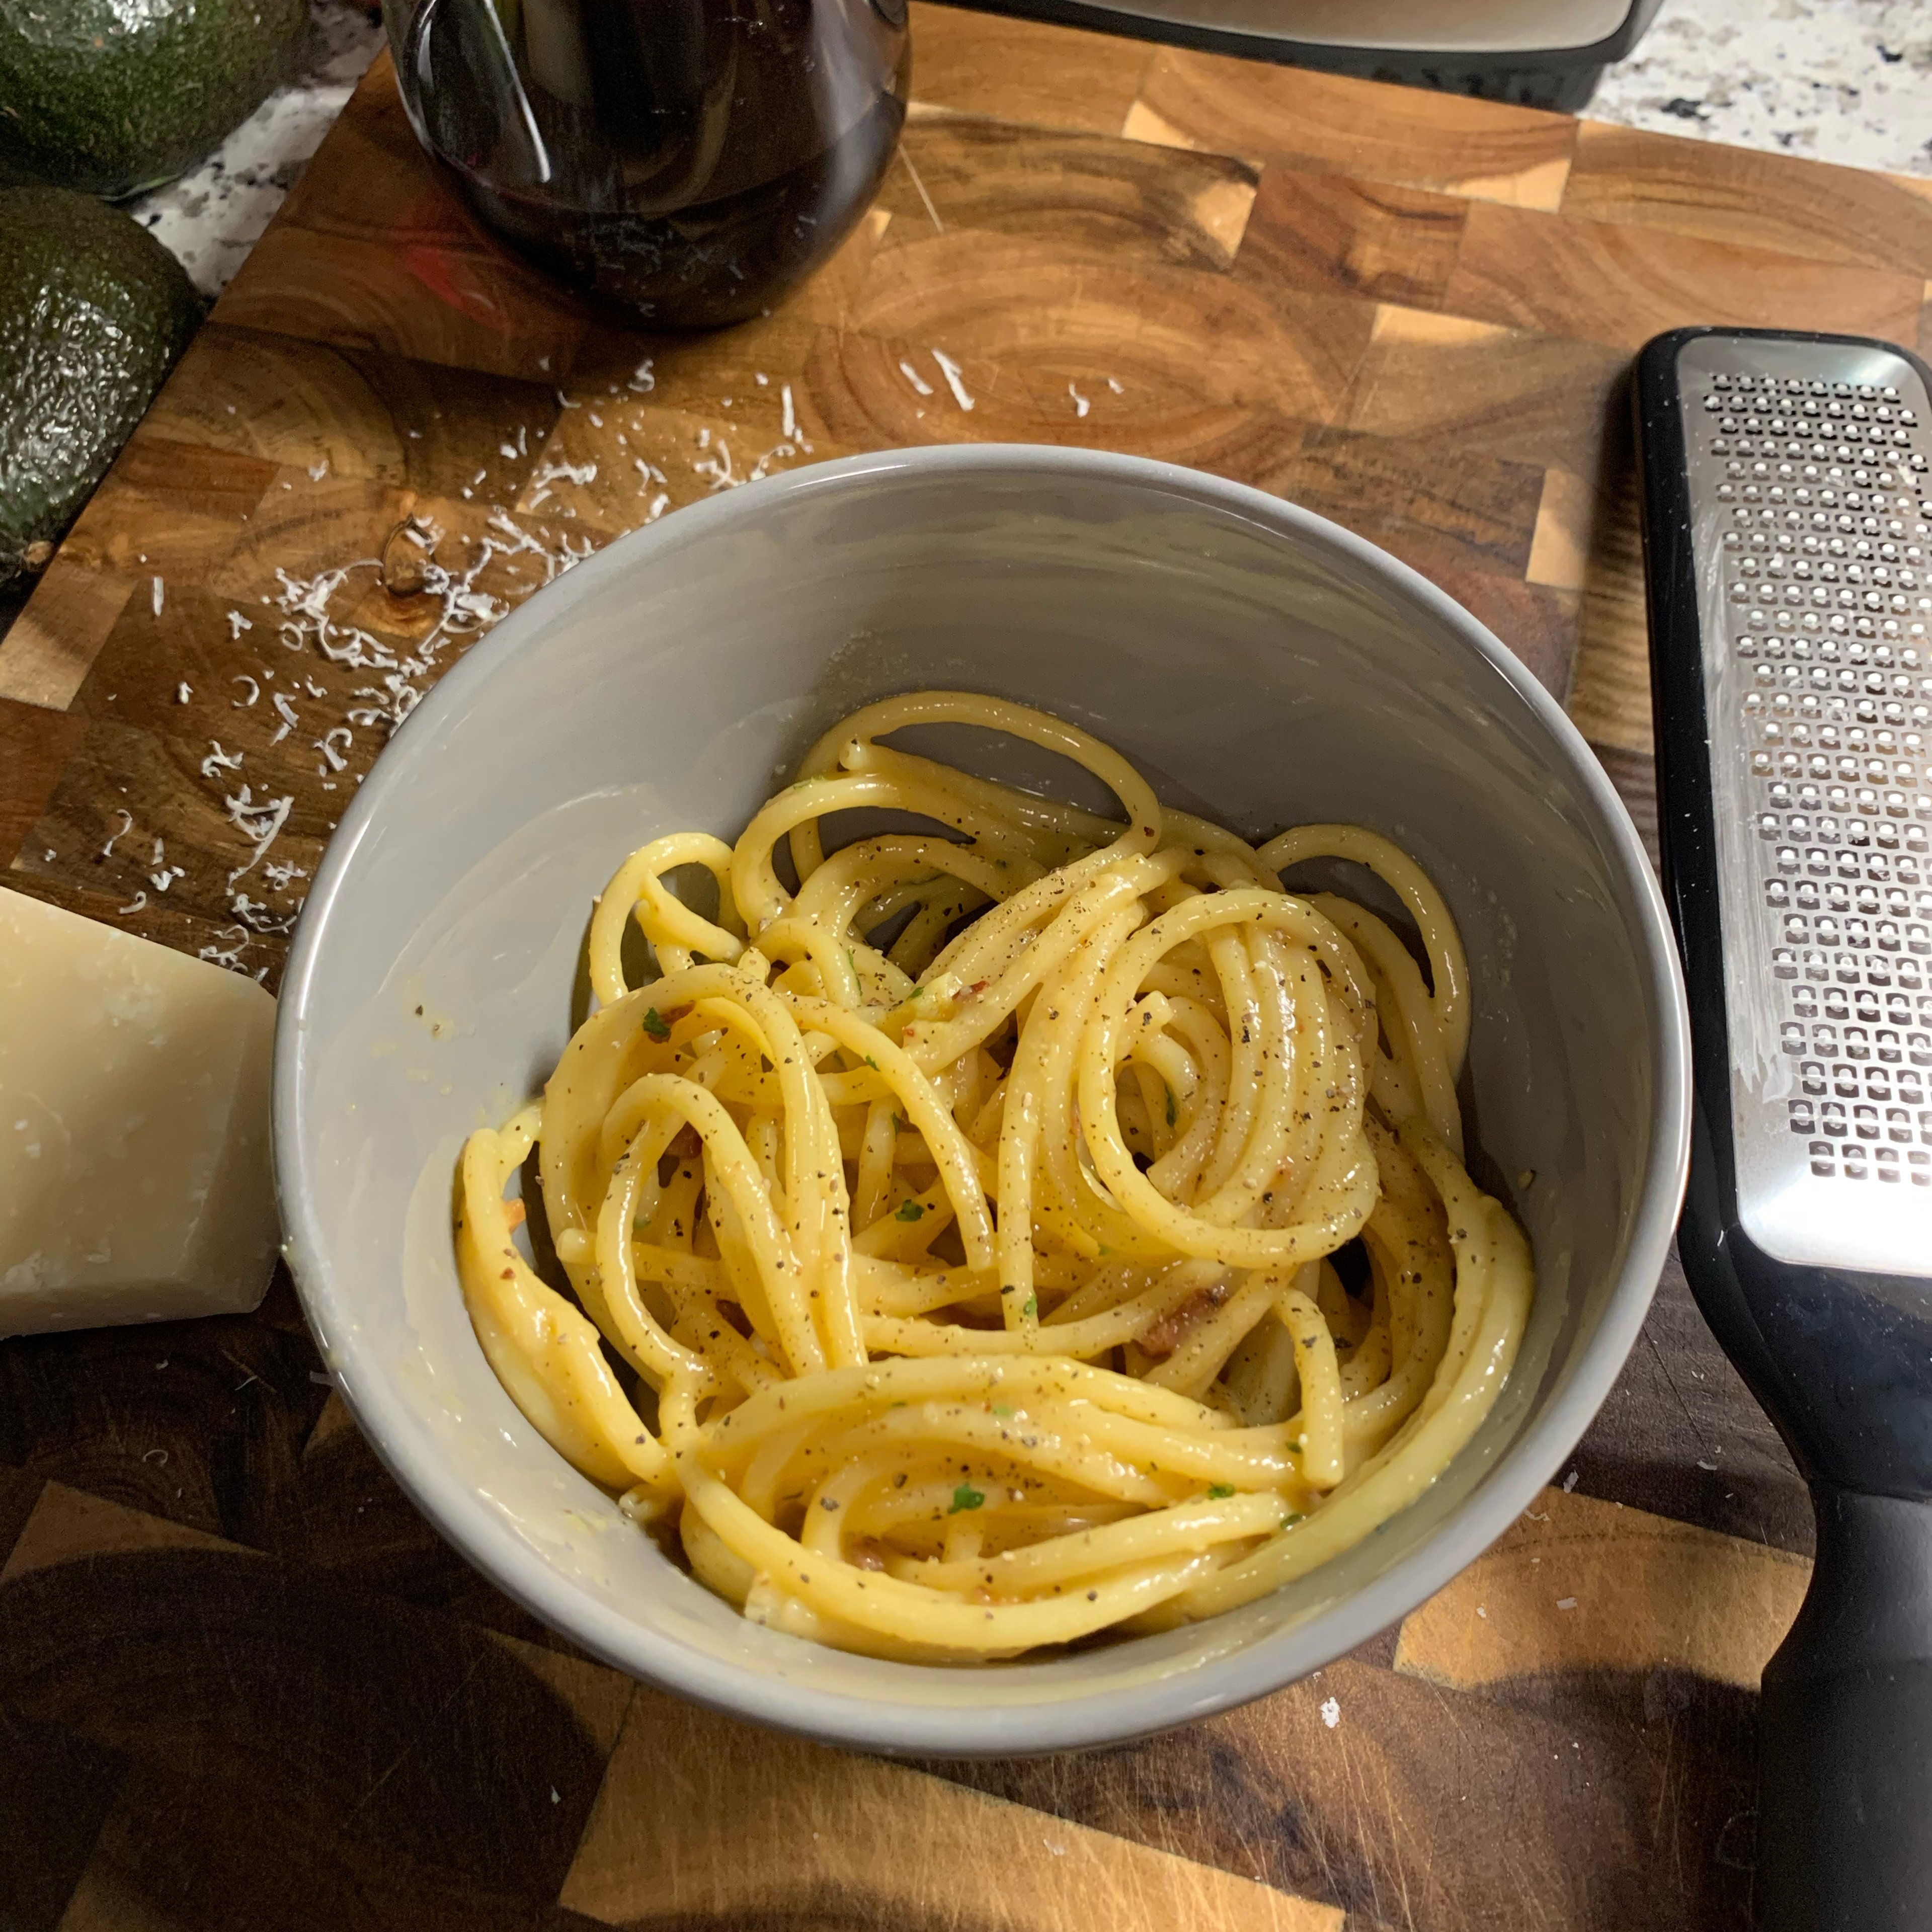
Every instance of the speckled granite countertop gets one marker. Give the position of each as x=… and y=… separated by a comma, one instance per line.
x=1848, y=81
x=213, y=215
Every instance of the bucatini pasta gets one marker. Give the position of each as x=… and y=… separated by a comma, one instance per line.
x=1043, y=1224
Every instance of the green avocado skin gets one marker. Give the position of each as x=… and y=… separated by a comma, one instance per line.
x=115, y=96
x=93, y=313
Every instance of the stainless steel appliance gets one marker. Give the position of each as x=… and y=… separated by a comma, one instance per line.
x=1548, y=53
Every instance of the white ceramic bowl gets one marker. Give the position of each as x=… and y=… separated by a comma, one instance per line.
x=1265, y=665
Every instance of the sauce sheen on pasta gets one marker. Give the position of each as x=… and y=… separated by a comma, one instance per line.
x=1044, y=1225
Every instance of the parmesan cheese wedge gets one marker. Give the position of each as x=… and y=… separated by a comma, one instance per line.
x=135, y=1180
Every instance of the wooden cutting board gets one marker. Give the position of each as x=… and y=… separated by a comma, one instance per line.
x=241, y=1682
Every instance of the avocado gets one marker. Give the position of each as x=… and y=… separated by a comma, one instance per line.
x=112, y=98
x=93, y=313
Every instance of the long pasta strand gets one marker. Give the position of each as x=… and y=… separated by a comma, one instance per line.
x=974, y=1211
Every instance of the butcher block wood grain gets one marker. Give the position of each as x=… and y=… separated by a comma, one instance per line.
x=242, y=1683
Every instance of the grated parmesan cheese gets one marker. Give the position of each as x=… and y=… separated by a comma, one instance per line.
x=950, y=371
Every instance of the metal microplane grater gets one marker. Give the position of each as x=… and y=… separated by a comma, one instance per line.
x=1806, y=470
x=1787, y=501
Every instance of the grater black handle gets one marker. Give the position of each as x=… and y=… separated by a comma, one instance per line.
x=1845, y=1730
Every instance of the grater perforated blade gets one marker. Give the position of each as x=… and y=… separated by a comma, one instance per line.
x=1811, y=533
x=1787, y=488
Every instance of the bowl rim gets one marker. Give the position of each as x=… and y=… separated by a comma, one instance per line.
x=989, y=1726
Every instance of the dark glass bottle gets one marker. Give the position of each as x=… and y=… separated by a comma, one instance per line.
x=683, y=163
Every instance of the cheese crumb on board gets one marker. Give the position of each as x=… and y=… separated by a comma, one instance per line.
x=135, y=1182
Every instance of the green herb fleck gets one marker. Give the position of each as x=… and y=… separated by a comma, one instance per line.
x=1002, y=1408
x=965, y=1497
x=1031, y=1310
x=871, y=1063
x=1289, y=1522
x=1171, y=1115
x=655, y=1025
x=910, y=1210
x=1219, y=1490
